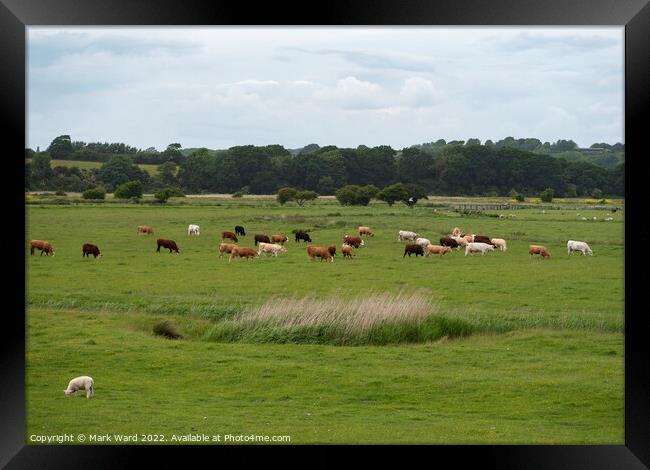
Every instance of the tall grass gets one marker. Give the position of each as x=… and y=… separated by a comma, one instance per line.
x=373, y=319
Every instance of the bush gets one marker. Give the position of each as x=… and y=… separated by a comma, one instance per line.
x=520, y=197
x=166, y=329
x=286, y=194
x=303, y=196
x=547, y=195
x=355, y=195
x=164, y=194
x=60, y=192
x=130, y=190
x=94, y=193
x=238, y=194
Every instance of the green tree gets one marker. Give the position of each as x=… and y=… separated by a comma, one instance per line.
x=355, y=195
x=129, y=190
x=167, y=173
x=326, y=185
x=547, y=195
x=393, y=193
x=41, y=170
x=301, y=197
x=164, y=194
x=60, y=147
x=119, y=170
x=286, y=194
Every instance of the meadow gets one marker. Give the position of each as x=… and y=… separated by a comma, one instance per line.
x=511, y=349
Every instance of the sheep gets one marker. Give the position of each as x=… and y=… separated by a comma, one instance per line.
x=83, y=382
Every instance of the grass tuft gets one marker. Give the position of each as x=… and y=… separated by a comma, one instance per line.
x=166, y=329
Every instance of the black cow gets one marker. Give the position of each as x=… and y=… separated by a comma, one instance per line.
x=448, y=241
x=417, y=249
x=482, y=239
x=169, y=244
x=89, y=249
x=262, y=238
x=300, y=235
x=239, y=230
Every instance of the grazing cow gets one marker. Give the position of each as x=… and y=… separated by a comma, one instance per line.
x=314, y=252
x=573, y=245
x=437, y=250
x=81, y=383
x=145, y=229
x=475, y=247
x=347, y=251
x=406, y=235
x=500, y=243
x=43, y=245
x=448, y=241
x=262, y=238
x=423, y=241
x=353, y=241
x=365, y=231
x=239, y=230
x=469, y=238
x=460, y=240
x=230, y=236
x=332, y=250
x=225, y=248
x=538, y=250
x=412, y=248
x=272, y=248
x=456, y=232
x=193, y=230
x=242, y=252
x=169, y=244
x=89, y=249
x=300, y=235
x=279, y=239
x=482, y=239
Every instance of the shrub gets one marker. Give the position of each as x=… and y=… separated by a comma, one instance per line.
x=286, y=194
x=520, y=197
x=355, y=195
x=60, y=192
x=94, y=193
x=238, y=194
x=303, y=196
x=130, y=190
x=164, y=194
x=166, y=329
x=547, y=195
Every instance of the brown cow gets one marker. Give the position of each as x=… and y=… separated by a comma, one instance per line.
x=145, y=229
x=229, y=235
x=225, y=248
x=314, y=251
x=482, y=239
x=332, y=250
x=262, y=238
x=347, y=251
x=448, y=241
x=353, y=241
x=437, y=250
x=538, y=250
x=169, y=244
x=279, y=239
x=417, y=249
x=42, y=245
x=242, y=252
x=366, y=231
x=89, y=249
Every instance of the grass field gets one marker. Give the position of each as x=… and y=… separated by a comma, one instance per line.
x=539, y=356
x=84, y=165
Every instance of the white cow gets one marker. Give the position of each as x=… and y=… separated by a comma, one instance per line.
x=423, y=242
x=500, y=243
x=573, y=245
x=193, y=230
x=81, y=383
x=475, y=247
x=272, y=248
x=406, y=235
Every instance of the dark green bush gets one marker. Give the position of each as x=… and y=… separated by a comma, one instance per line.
x=94, y=193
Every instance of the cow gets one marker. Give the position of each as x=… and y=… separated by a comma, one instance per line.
x=230, y=236
x=413, y=248
x=43, y=245
x=169, y=244
x=81, y=383
x=278, y=238
x=365, y=231
x=332, y=250
x=499, y=243
x=347, y=251
x=242, y=252
x=353, y=241
x=406, y=235
x=538, y=250
x=239, y=230
x=314, y=252
x=475, y=247
x=88, y=249
x=262, y=238
x=145, y=229
x=193, y=230
x=437, y=250
x=448, y=241
x=460, y=240
x=422, y=241
x=225, y=248
x=456, y=232
x=300, y=235
x=482, y=239
x=469, y=238
x=573, y=245
x=272, y=248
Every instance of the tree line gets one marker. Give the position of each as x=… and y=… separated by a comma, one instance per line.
x=454, y=168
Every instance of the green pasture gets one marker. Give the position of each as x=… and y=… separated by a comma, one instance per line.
x=85, y=165
x=544, y=362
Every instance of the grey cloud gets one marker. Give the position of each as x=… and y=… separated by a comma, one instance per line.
x=376, y=61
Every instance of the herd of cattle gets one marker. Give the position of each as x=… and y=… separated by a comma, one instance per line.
x=275, y=244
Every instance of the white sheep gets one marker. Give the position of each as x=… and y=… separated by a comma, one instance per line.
x=81, y=383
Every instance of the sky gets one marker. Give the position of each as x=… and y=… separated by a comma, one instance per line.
x=218, y=87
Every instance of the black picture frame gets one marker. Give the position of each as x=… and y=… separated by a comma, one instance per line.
x=634, y=15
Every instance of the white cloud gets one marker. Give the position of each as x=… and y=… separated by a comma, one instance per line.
x=418, y=92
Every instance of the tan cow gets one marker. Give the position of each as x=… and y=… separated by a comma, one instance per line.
x=279, y=239
x=437, y=250
x=242, y=252
x=366, y=231
x=145, y=229
x=272, y=248
x=314, y=252
x=226, y=248
x=43, y=245
x=460, y=240
x=469, y=238
x=500, y=243
x=347, y=251
x=456, y=232
x=538, y=250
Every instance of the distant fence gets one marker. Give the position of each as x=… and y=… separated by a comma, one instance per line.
x=484, y=207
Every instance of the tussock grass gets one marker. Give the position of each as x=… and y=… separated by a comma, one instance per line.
x=373, y=319
x=166, y=329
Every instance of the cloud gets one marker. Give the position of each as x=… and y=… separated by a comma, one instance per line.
x=399, y=61
x=418, y=92
x=352, y=93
